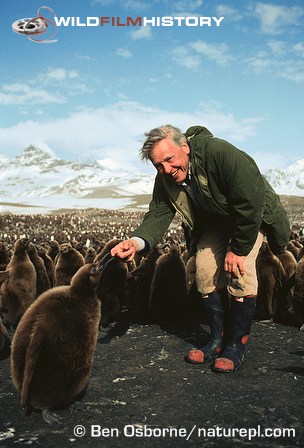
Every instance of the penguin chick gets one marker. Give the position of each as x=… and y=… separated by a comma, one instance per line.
x=81, y=248
x=5, y=343
x=69, y=260
x=53, y=347
x=53, y=250
x=4, y=257
x=294, y=247
x=42, y=280
x=112, y=285
x=270, y=274
x=90, y=255
x=18, y=290
x=299, y=293
x=48, y=263
x=168, y=293
x=289, y=264
x=140, y=284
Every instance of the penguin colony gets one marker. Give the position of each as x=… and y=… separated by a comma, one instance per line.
x=55, y=295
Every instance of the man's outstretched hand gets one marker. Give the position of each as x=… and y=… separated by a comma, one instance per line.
x=125, y=250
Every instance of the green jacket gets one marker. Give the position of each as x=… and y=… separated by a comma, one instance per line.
x=231, y=185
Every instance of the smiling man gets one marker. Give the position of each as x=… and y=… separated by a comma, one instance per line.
x=227, y=207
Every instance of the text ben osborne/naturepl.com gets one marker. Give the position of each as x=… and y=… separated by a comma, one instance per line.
x=146, y=431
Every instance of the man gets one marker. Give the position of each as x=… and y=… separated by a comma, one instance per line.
x=226, y=207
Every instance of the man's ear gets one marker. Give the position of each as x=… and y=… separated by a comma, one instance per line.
x=185, y=147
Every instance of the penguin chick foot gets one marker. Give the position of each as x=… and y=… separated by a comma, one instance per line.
x=50, y=417
x=77, y=406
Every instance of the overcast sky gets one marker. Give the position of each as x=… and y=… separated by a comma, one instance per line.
x=95, y=91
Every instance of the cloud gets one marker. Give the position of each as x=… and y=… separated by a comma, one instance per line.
x=298, y=49
x=293, y=71
x=269, y=160
x=67, y=82
x=143, y=32
x=188, y=5
x=124, y=53
x=218, y=53
x=116, y=132
x=23, y=94
x=84, y=57
x=274, y=19
x=183, y=57
x=186, y=8
x=277, y=47
x=59, y=75
x=230, y=13
x=191, y=56
x=126, y=4
x=261, y=62
x=281, y=62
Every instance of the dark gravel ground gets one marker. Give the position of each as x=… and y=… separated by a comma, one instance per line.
x=141, y=389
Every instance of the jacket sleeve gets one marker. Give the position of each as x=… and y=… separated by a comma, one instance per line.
x=157, y=220
x=243, y=187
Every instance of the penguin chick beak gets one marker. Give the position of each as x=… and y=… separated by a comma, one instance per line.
x=106, y=259
x=28, y=241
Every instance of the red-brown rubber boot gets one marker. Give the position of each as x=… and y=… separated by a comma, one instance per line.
x=234, y=353
x=215, y=308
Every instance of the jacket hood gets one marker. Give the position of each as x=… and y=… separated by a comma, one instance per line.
x=197, y=130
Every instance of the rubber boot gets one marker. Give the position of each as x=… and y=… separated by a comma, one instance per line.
x=235, y=351
x=214, y=306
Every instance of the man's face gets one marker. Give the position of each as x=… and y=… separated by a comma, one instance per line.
x=170, y=159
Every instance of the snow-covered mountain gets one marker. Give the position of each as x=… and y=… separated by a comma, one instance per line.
x=36, y=178
x=37, y=173
x=289, y=181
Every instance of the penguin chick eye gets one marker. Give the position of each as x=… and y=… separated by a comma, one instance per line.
x=93, y=271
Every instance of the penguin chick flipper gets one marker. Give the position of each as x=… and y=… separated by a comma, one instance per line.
x=50, y=417
x=32, y=354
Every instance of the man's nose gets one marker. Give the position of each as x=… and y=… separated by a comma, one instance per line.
x=167, y=167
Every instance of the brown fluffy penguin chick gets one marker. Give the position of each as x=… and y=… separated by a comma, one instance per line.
x=81, y=248
x=289, y=264
x=90, y=255
x=48, y=263
x=294, y=247
x=112, y=285
x=4, y=257
x=299, y=292
x=270, y=274
x=168, y=293
x=53, y=347
x=5, y=343
x=53, y=250
x=140, y=284
x=42, y=280
x=68, y=261
x=18, y=290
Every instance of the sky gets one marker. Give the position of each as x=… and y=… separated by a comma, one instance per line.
x=95, y=91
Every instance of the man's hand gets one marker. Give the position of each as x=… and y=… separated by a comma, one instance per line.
x=125, y=250
x=234, y=264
